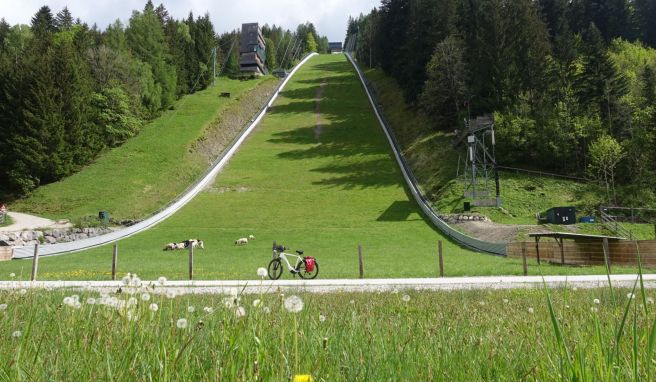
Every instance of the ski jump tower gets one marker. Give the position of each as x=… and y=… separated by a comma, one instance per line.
x=480, y=162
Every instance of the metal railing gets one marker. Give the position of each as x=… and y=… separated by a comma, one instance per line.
x=27, y=251
x=610, y=223
x=411, y=181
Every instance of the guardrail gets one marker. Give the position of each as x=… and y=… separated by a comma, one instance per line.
x=23, y=252
x=614, y=226
x=411, y=181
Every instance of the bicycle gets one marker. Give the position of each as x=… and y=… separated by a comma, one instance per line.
x=306, y=267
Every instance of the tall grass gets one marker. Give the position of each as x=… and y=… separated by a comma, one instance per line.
x=400, y=336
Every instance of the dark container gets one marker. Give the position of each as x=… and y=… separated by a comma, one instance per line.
x=561, y=215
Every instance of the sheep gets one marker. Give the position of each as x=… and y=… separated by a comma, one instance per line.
x=194, y=243
x=180, y=245
x=251, y=237
x=241, y=241
x=170, y=247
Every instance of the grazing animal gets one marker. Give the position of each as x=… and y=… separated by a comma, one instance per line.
x=251, y=237
x=180, y=245
x=170, y=247
x=194, y=243
x=241, y=241
x=185, y=244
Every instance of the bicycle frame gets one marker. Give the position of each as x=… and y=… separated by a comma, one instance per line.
x=284, y=255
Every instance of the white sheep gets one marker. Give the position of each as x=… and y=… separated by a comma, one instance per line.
x=241, y=241
x=251, y=237
x=170, y=247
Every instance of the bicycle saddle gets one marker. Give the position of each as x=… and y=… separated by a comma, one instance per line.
x=300, y=251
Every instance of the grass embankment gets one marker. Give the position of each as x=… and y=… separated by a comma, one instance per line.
x=323, y=184
x=148, y=171
x=7, y=221
x=506, y=335
x=435, y=164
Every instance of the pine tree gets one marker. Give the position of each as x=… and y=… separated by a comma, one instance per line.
x=43, y=24
x=64, y=20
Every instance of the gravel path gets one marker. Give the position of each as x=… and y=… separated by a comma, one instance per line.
x=348, y=285
x=23, y=222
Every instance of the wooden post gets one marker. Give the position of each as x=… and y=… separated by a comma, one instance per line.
x=191, y=261
x=114, y=261
x=35, y=261
x=525, y=266
x=537, y=248
x=562, y=251
x=606, y=254
x=439, y=254
x=361, y=266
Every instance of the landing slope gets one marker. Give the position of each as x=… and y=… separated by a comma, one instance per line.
x=317, y=175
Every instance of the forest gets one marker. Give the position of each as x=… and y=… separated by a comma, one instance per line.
x=69, y=91
x=571, y=83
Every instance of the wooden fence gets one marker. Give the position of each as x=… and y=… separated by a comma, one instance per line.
x=621, y=252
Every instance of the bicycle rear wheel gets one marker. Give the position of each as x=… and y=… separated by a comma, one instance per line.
x=303, y=272
x=275, y=269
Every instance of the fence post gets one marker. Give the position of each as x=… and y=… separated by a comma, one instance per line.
x=191, y=261
x=35, y=261
x=440, y=256
x=606, y=254
x=114, y=261
x=525, y=266
x=273, y=251
x=361, y=266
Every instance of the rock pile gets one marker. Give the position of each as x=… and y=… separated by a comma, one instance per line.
x=52, y=236
x=461, y=218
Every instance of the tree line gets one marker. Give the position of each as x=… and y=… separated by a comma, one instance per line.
x=572, y=83
x=68, y=90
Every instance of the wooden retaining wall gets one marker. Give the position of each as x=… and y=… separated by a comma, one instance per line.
x=621, y=252
x=5, y=253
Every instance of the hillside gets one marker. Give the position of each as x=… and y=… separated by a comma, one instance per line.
x=151, y=169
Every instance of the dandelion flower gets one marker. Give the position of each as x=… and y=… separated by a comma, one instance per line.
x=68, y=301
x=228, y=302
x=170, y=294
x=266, y=310
x=145, y=296
x=405, y=298
x=208, y=309
x=91, y=301
x=132, y=301
x=596, y=301
x=322, y=318
x=23, y=291
x=352, y=302
x=161, y=280
x=261, y=272
x=240, y=311
x=481, y=303
x=293, y=304
x=257, y=303
x=153, y=307
x=3, y=306
x=630, y=296
x=12, y=275
x=132, y=317
x=395, y=291
x=16, y=334
x=76, y=304
x=126, y=280
x=530, y=310
x=182, y=323
x=303, y=378
x=191, y=309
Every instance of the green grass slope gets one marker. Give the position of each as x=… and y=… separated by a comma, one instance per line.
x=323, y=184
x=145, y=173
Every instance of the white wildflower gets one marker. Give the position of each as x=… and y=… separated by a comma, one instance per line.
x=153, y=307
x=257, y=303
x=261, y=272
x=16, y=334
x=91, y=301
x=182, y=323
x=145, y=296
x=530, y=310
x=132, y=316
x=630, y=296
x=76, y=304
x=3, y=306
x=126, y=280
x=505, y=300
x=293, y=304
x=322, y=318
x=266, y=310
x=170, y=294
x=405, y=298
x=132, y=301
x=481, y=303
x=395, y=291
x=161, y=280
x=68, y=301
x=12, y=275
x=240, y=311
x=208, y=310
x=191, y=309
x=23, y=291
x=596, y=301
x=352, y=302
x=228, y=302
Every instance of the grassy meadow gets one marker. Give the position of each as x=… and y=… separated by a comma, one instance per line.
x=474, y=335
x=148, y=171
x=322, y=184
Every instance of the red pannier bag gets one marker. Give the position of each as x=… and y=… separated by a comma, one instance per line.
x=309, y=264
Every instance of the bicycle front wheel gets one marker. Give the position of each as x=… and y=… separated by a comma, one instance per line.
x=275, y=269
x=303, y=272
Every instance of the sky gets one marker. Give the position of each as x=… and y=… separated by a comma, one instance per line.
x=328, y=16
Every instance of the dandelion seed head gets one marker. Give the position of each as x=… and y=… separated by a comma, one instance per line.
x=352, y=302
x=481, y=303
x=240, y=312
x=170, y=294
x=161, y=280
x=12, y=275
x=153, y=307
x=505, y=300
x=16, y=334
x=145, y=296
x=530, y=310
x=68, y=301
x=181, y=323
x=76, y=304
x=228, y=302
x=91, y=301
x=322, y=318
x=406, y=298
x=208, y=309
x=596, y=301
x=23, y=291
x=266, y=310
x=257, y=303
x=132, y=301
x=630, y=296
x=132, y=316
x=293, y=304
x=191, y=309
x=3, y=306
x=261, y=272
x=395, y=291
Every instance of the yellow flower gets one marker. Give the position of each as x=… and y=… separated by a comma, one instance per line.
x=303, y=378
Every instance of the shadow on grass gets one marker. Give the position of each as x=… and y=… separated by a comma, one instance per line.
x=398, y=211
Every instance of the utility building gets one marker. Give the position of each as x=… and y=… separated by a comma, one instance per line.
x=252, y=50
x=334, y=47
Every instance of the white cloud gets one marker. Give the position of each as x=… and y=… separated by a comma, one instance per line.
x=328, y=16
